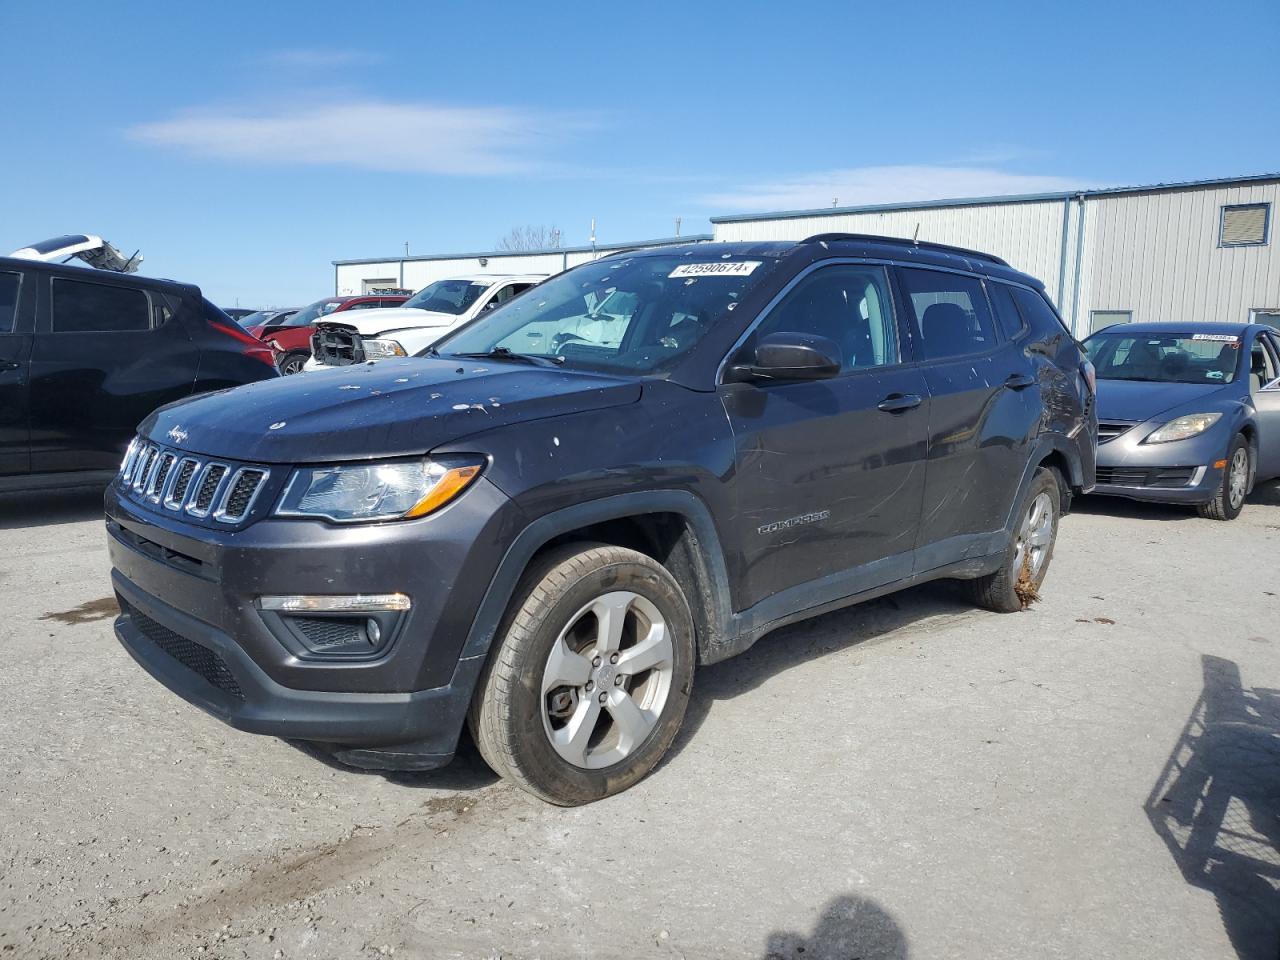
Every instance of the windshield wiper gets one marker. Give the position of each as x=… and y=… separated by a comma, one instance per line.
x=503, y=353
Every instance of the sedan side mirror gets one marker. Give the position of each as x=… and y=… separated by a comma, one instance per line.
x=789, y=356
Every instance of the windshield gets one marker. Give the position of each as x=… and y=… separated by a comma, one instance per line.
x=253, y=319
x=321, y=308
x=448, y=296
x=1165, y=358
x=627, y=314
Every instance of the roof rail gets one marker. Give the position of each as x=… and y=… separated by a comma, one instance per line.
x=905, y=241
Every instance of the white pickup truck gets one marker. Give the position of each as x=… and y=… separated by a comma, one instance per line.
x=432, y=312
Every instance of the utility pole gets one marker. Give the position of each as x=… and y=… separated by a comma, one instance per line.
x=406, y=248
x=593, y=238
x=677, y=226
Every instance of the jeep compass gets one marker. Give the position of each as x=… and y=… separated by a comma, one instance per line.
x=540, y=527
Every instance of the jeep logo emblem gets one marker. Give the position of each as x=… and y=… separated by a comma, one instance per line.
x=178, y=435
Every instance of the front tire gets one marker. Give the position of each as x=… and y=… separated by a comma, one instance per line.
x=1228, y=501
x=1016, y=585
x=590, y=679
x=292, y=363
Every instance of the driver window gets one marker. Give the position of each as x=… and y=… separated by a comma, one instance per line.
x=849, y=304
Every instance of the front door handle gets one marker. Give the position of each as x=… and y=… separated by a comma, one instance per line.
x=1020, y=381
x=9, y=365
x=897, y=402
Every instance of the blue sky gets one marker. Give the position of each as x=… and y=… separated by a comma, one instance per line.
x=245, y=146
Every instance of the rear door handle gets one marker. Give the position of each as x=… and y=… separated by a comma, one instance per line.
x=897, y=402
x=1020, y=381
x=9, y=365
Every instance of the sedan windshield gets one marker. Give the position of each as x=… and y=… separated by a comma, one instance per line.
x=321, y=308
x=1165, y=358
x=627, y=314
x=448, y=296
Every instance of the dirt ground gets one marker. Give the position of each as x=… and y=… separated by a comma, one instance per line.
x=1096, y=777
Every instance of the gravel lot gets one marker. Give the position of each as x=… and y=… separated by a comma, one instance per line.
x=909, y=778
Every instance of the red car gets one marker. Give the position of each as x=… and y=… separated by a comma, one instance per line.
x=291, y=339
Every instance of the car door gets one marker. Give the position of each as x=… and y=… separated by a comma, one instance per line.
x=829, y=473
x=984, y=412
x=1266, y=401
x=17, y=297
x=107, y=352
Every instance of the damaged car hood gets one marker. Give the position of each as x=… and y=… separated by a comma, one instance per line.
x=385, y=408
x=369, y=323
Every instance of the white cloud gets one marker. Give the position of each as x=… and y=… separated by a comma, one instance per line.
x=885, y=184
x=371, y=134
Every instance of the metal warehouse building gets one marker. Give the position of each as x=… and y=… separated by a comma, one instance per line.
x=1201, y=250
x=415, y=272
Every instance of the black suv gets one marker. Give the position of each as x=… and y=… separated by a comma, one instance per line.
x=86, y=354
x=539, y=526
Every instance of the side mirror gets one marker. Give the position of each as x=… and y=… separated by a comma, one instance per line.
x=790, y=356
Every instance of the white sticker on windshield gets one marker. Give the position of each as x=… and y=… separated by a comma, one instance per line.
x=1217, y=337
x=725, y=268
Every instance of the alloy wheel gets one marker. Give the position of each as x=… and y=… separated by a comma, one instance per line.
x=1035, y=537
x=607, y=680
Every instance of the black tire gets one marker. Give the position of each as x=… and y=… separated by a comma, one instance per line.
x=510, y=715
x=1015, y=586
x=292, y=363
x=1221, y=506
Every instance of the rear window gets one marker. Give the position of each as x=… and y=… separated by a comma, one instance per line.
x=952, y=316
x=81, y=307
x=9, y=283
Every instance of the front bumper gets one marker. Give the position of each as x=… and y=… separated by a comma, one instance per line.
x=1178, y=472
x=189, y=616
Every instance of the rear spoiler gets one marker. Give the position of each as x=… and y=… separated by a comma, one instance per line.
x=92, y=249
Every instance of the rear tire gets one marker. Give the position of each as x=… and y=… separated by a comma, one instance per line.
x=590, y=677
x=292, y=363
x=1233, y=486
x=1016, y=585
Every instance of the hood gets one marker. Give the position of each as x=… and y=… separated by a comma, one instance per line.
x=369, y=323
x=1137, y=400
x=381, y=409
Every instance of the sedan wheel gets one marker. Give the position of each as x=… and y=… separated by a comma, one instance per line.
x=1233, y=487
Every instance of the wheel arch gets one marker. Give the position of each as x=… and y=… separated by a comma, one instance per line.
x=673, y=527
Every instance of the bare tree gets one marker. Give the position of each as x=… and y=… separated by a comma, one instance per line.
x=541, y=237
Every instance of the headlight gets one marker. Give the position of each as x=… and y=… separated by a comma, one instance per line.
x=1183, y=427
x=395, y=490
x=377, y=349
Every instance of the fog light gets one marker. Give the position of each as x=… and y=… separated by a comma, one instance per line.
x=352, y=603
x=374, y=631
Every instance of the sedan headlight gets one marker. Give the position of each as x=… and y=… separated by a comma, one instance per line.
x=377, y=349
x=392, y=490
x=1184, y=427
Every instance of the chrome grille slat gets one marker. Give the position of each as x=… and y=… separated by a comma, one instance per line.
x=253, y=478
x=145, y=470
x=183, y=473
x=207, y=488
x=156, y=485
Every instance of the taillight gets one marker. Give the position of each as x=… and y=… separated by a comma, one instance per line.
x=1090, y=376
x=251, y=346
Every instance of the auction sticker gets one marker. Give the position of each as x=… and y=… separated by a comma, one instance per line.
x=719, y=268
x=1217, y=337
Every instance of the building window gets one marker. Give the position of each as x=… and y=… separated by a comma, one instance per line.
x=1101, y=319
x=1244, y=225
x=1271, y=316
x=378, y=286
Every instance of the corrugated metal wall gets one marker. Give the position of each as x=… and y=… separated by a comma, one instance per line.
x=1157, y=254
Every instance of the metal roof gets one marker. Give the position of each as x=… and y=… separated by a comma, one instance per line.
x=598, y=248
x=986, y=201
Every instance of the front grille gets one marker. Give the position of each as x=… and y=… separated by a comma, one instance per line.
x=1110, y=429
x=241, y=495
x=337, y=346
x=196, y=657
x=213, y=492
x=1145, y=476
x=331, y=631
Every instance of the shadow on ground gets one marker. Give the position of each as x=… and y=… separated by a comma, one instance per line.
x=1216, y=806
x=850, y=927
x=42, y=509
x=1266, y=494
